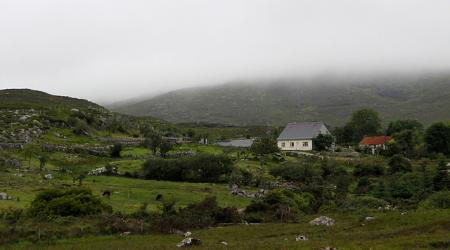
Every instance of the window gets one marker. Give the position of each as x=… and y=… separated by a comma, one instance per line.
x=292, y=144
x=283, y=144
x=305, y=144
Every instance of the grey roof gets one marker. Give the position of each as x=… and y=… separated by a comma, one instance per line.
x=302, y=130
x=239, y=143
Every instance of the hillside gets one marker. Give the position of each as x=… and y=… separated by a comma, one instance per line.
x=328, y=98
x=27, y=98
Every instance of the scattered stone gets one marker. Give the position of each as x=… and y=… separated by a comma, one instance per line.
x=301, y=237
x=402, y=213
x=5, y=196
x=323, y=220
x=189, y=242
x=224, y=243
x=369, y=218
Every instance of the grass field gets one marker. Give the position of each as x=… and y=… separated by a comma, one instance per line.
x=128, y=193
x=415, y=230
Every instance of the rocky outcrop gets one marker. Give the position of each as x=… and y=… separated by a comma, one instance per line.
x=235, y=190
x=10, y=162
x=323, y=221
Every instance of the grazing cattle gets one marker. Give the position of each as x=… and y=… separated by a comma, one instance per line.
x=159, y=197
x=107, y=193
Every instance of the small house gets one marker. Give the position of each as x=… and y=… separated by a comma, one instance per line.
x=298, y=136
x=374, y=143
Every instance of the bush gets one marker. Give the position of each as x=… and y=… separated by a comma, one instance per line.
x=71, y=202
x=279, y=205
x=406, y=186
x=199, y=168
x=369, y=168
x=439, y=200
x=398, y=163
x=115, y=150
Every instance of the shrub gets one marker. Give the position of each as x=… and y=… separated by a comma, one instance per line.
x=398, y=163
x=279, y=205
x=198, y=168
x=439, y=200
x=369, y=168
x=406, y=186
x=70, y=202
x=115, y=150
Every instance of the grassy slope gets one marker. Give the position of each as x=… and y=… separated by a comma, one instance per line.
x=26, y=98
x=388, y=231
x=332, y=100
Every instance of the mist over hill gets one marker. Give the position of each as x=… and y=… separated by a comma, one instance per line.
x=329, y=98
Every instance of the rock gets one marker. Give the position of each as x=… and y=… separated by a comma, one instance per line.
x=5, y=196
x=224, y=243
x=328, y=248
x=125, y=233
x=323, y=220
x=301, y=237
x=369, y=218
x=189, y=242
x=187, y=234
x=48, y=176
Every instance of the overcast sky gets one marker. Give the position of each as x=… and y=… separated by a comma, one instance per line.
x=107, y=50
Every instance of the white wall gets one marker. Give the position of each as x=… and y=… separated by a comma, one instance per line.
x=297, y=145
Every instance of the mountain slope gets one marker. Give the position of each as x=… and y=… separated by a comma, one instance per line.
x=27, y=98
x=331, y=99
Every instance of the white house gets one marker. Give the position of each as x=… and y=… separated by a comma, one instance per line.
x=298, y=136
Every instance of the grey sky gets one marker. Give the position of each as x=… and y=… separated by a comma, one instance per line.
x=109, y=50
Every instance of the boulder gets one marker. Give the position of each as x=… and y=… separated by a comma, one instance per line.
x=301, y=237
x=323, y=221
x=369, y=218
x=189, y=242
x=5, y=196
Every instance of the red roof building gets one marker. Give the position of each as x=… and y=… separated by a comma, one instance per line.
x=374, y=140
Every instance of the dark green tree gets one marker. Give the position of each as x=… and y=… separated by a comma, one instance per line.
x=42, y=161
x=153, y=141
x=398, y=164
x=364, y=122
x=441, y=180
x=164, y=148
x=402, y=125
x=263, y=147
x=437, y=138
x=115, y=150
x=322, y=142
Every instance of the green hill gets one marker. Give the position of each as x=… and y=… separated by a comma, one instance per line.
x=328, y=98
x=27, y=98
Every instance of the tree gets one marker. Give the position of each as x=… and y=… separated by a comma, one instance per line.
x=190, y=133
x=115, y=150
x=164, y=148
x=42, y=161
x=264, y=146
x=441, y=179
x=322, y=142
x=406, y=141
x=364, y=122
x=402, y=125
x=437, y=138
x=153, y=142
x=31, y=150
x=398, y=163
